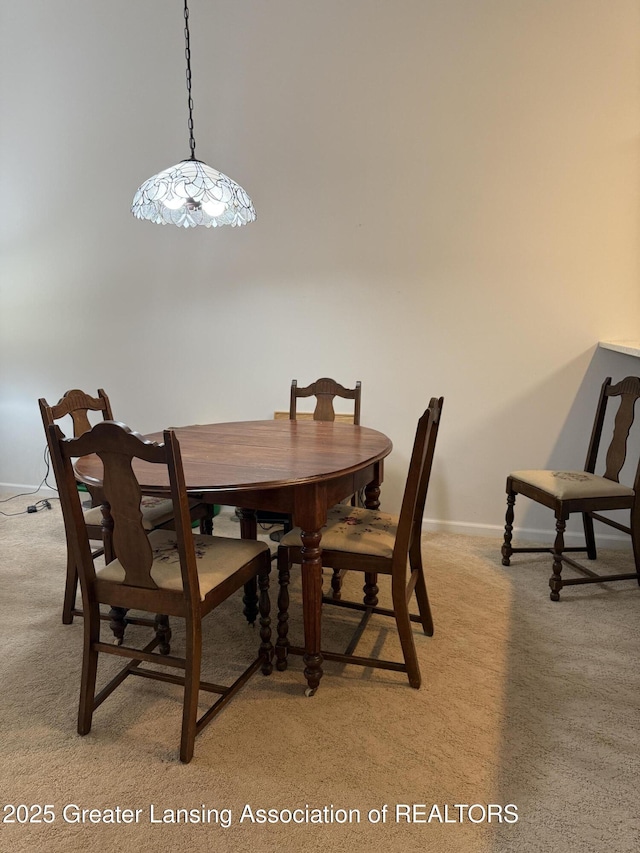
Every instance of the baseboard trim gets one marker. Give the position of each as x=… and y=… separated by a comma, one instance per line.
x=19, y=489
x=544, y=537
x=431, y=525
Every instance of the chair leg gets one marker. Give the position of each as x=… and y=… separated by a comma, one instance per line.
x=555, y=581
x=250, y=601
x=589, y=536
x=118, y=623
x=206, y=522
x=422, y=598
x=507, y=550
x=403, y=623
x=249, y=530
x=370, y=589
x=163, y=633
x=635, y=540
x=191, y=690
x=70, y=590
x=336, y=585
x=89, y=669
x=284, y=574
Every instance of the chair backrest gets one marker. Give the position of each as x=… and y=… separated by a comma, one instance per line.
x=417, y=485
x=628, y=390
x=119, y=448
x=77, y=404
x=325, y=390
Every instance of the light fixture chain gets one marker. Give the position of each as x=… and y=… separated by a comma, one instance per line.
x=191, y=193
x=187, y=53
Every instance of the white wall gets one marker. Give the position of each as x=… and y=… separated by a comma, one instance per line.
x=447, y=197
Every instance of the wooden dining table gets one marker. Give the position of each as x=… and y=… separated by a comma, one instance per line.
x=297, y=467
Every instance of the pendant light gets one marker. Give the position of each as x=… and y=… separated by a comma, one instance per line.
x=192, y=193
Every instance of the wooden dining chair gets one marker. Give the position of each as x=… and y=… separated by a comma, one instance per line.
x=568, y=492
x=375, y=543
x=167, y=572
x=156, y=511
x=325, y=391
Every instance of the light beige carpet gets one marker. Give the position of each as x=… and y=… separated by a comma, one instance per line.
x=523, y=702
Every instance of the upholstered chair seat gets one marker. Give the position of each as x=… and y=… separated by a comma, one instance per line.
x=169, y=572
x=566, y=492
x=373, y=543
x=155, y=512
x=572, y=485
x=324, y=391
x=214, y=554
x=355, y=530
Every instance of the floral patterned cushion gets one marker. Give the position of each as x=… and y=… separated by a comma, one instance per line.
x=356, y=530
x=568, y=485
x=217, y=558
x=155, y=511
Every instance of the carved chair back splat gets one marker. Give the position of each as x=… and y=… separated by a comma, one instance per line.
x=325, y=391
x=156, y=571
x=567, y=492
x=373, y=542
x=158, y=512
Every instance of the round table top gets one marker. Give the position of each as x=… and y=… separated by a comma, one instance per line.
x=249, y=455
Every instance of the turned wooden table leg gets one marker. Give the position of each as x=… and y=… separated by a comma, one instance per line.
x=163, y=633
x=118, y=623
x=249, y=530
x=248, y=523
x=370, y=588
x=372, y=495
x=117, y=615
x=206, y=523
x=107, y=532
x=336, y=585
x=312, y=607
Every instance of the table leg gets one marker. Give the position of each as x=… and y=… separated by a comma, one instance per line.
x=248, y=523
x=249, y=530
x=206, y=523
x=117, y=615
x=107, y=532
x=372, y=495
x=371, y=501
x=312, y=607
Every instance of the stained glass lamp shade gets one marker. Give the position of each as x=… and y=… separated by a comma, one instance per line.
x=192, y=193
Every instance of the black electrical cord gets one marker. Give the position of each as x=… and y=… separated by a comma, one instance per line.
x=41, y=504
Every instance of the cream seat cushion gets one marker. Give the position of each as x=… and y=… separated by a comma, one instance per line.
x=155, y=511
x=570, y=485
x=355, y=530
x=217, y=558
